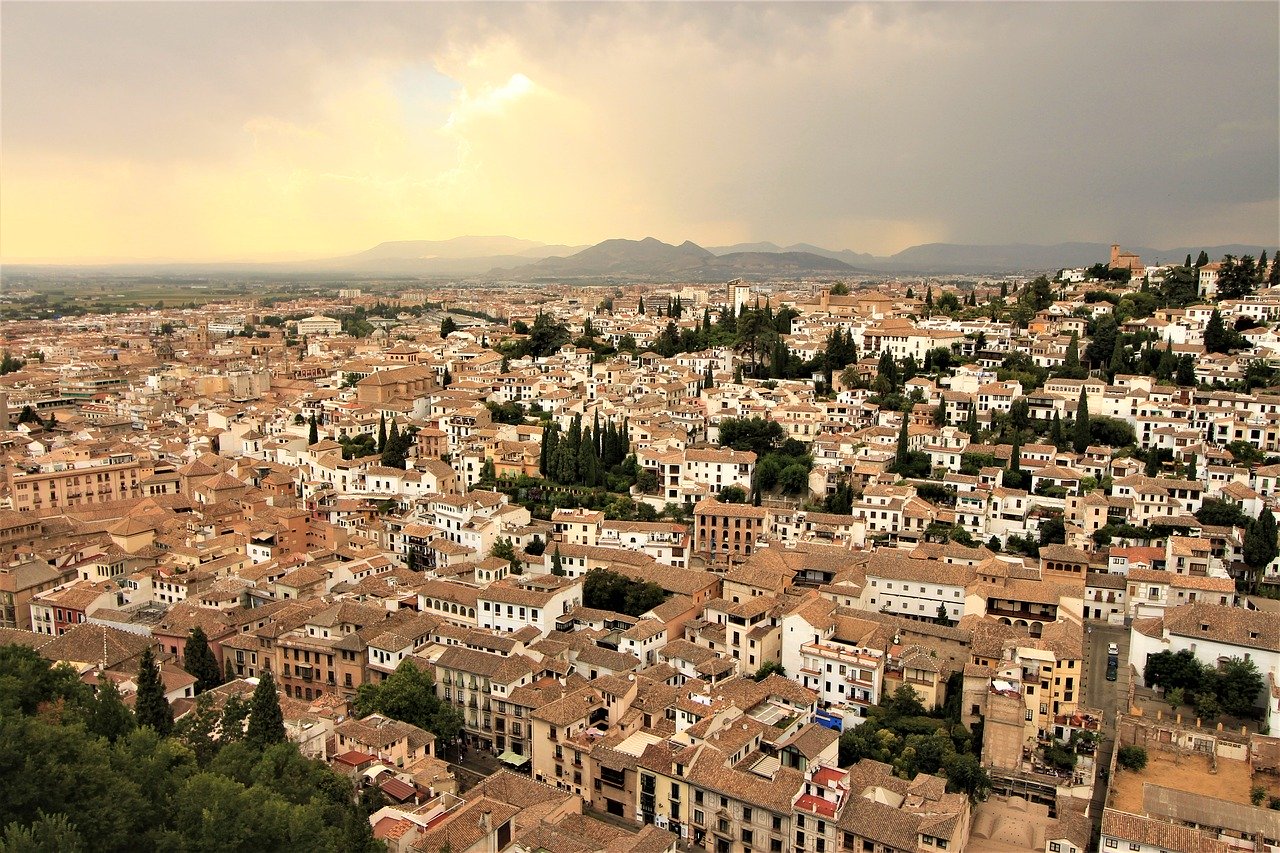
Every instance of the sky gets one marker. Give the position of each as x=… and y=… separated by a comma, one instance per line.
x=261, y=131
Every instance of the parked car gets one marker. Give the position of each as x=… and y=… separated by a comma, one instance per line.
x=1113, y=649
x=1112, y=671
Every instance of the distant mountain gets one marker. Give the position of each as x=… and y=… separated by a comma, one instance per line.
x=1021, y=257
x=744, y=247
x=498, y=256
x=652, y=258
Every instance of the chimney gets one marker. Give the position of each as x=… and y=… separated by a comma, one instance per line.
x=486, y=820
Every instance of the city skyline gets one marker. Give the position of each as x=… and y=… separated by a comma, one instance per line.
x=276, y=131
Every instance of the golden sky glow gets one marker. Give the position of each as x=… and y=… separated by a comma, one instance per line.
x=274, y=131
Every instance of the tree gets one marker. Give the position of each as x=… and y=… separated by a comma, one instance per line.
x=794, y=479
x=51, y=833
x=1238, y=686
x=313, y=431
x=1071, y=367
x=733, y=495
x=1175, y=698
x=109, y=717
x=905, y=702
x=606, y=590
x=504, y=550
x=1206, y=703
x=1132, y=758
x=409, y=695
x=199, y=661
x=1260, y=545
x=943, y=619
x=904, y=444
x=971, y=422
x=1080, y=432
x=1218, y=338
x=1236, y=278
x=266, y=722
x=966, y=775
x=448, y=326
x=382, y=432
x=9, y=364
x=557, y=565
x=767, y=669
x=150, y=705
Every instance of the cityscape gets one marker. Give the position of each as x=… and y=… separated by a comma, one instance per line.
x=834, y=531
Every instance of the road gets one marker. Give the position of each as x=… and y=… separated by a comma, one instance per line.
x=1107, y=697
x=1100, y=694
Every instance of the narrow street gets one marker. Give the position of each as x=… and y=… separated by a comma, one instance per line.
x=1105, y=696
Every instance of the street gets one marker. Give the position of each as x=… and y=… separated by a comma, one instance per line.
x=1105, y=696
x=1100, y=694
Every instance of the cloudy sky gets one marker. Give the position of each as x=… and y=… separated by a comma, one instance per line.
x=263, y=130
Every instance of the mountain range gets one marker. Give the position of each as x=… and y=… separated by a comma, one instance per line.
x=505, y=258
x=650, y=258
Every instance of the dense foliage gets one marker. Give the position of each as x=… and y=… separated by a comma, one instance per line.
x=898, y=732
x=1233, y=688
x=65, y=786
x=606, y=590
x=409, y=695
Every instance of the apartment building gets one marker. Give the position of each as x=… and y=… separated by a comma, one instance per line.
x=727, y=533
x=113, y=477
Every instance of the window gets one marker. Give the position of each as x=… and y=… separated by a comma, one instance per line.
x=1055, y=847
x=1111, y=842
x=746, y=814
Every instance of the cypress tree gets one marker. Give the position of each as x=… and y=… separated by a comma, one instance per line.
x=550, y=439
x=971, y=422
x=1260, y=545
x=567, y=453
x=640, y=307
x=588, y=462
x=313, y=431
x=1056, y=434
x=904, y=445
x=266, y=722
x=229, y=672
x=150, y=706
x=382, y=432
x=557, y=565
x=1071, y=364
x=1080, y=433
x=1202, y=258
x=199, y=661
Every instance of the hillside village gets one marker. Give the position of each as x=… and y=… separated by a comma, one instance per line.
x=756, y=567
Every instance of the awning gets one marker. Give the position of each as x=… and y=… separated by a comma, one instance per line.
x=513, y=758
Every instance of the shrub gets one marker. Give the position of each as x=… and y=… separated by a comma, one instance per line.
x=1132, y=758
